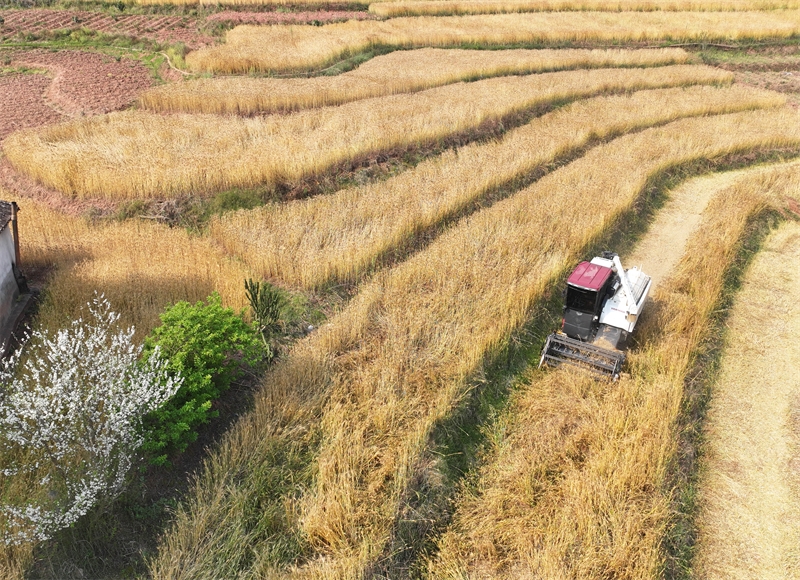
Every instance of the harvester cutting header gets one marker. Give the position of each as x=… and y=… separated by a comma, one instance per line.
x=602, y=305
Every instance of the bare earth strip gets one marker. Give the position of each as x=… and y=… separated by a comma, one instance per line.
x=87, y=83
x=750, y=483
x=658, y=253
x=22, y=103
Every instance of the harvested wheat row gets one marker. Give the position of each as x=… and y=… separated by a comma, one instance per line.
x=399, y=358
x=294, y=48
x=580, y=484
x=445, y=309
x=748, y=522
x=141, y=267
x=134, y=155
x=451, y=7
x=337, y=237
x=398, y=72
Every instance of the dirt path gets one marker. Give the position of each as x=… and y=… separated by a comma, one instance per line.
x=659, y=251
x=750, y=479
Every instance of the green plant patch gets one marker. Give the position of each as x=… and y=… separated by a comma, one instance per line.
x=207, y=344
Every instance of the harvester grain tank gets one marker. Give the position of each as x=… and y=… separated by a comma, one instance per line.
x=602, y=304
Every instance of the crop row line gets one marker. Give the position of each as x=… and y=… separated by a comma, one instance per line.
x=139, y=155
x=381, y=374
x=336, y=238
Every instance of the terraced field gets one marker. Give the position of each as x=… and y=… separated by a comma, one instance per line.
x=290, y=48
x=430, y=201
x=450, y=7
x=749, y=493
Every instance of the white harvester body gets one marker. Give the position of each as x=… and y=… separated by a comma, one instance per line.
x=603, y=302
x=622, y=309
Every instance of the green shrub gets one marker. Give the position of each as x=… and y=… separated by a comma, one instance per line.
x=266, y=303
x=207, y=345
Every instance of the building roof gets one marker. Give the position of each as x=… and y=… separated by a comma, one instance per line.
x=589, y=276
x=5, y=214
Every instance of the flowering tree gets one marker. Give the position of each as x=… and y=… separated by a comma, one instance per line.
x=70, y=412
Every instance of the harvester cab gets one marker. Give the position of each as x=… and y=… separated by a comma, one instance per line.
x=602, y=304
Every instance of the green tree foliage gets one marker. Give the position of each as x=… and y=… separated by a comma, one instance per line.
x=207, y=345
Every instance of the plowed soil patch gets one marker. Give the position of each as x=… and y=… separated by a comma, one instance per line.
x=22, y=103
x=86, y=83
x=165, y=29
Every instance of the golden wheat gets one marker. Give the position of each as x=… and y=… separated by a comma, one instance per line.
x=398, y=72
x=141, y=267
x=580, y=484
x=399, y=357
x=141, y=155
x=335, y=238
x=451, y=7
x=435, y=328
x=294, y=48
x=749, y=517
x=15, y=561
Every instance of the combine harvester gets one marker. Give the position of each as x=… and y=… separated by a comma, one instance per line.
x=602, y=305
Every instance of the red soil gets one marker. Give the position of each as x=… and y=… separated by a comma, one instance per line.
x=322, y=16
x=78, y=83
x=85, y=82
x=165, y=29
x=22, y=102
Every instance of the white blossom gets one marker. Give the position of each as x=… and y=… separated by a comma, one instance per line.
x=71, y=405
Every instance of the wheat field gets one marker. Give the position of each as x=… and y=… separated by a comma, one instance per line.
x=397, y=72
x=393, y=9
x=380, y=375
x=140, y=266
x=336, y=238
x=137, y=155
x=749, y=516
x=297, y=48
x=597, y=459
x=423, y=209
x=244, y=4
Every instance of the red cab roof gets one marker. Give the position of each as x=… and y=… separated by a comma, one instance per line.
x=589, y=276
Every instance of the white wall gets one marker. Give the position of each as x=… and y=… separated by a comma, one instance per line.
x=8, y=284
